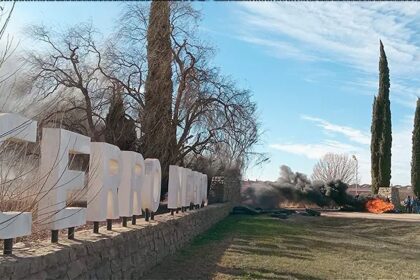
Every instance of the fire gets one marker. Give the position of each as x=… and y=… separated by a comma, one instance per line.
x=378, y=206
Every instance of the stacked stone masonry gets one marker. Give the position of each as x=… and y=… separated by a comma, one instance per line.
x=123, y=253
x=223, y=189
x=392, y=193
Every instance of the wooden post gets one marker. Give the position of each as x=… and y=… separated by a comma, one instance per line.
x=172, y=212
x=124, y=221
x=152, y=215
x=95, y=227
x=133, y=220
x=146, y=215
x=7, y=246
x=70, y=233
x=54, y=236
x=108, y=224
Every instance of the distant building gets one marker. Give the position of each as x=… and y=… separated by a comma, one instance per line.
x=405, y=191
x=363, y=189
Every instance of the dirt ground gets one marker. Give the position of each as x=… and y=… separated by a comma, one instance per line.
x=336, y=245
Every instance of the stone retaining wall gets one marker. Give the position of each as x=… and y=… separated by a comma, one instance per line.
x=123, y=253
x=225, y=188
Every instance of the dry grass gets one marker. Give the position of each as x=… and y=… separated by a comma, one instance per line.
x=259, y=247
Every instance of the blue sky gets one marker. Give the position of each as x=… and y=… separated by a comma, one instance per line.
x=312, y=68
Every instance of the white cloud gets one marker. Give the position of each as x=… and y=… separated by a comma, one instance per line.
x=280, y=49
x=316, y=151
x=354, y=135
x=350, y=31
x=341, y=32
x=401, y=148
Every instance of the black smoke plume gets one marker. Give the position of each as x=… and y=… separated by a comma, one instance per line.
x=295, y=187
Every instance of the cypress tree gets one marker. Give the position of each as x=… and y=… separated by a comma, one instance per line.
x=159, y=137
x=119, y=130
x=415, y=159
x=386, y=139
x=381, y=142
x=374, y=146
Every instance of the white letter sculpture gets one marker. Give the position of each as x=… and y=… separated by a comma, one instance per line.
x=104, y=179
x=57, y=180
x=184, y=176
x=204, y=189
x=129, y=191
x=190, y=188
x=14, y=224
x=175, y=187
x=150, y=192
x=184, y=187
x=197, y=188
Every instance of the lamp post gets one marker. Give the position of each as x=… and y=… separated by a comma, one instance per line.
x=357, y=172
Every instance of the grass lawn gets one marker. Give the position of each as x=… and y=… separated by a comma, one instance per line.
x=260, y=247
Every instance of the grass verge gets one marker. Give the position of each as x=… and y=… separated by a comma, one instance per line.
x=260, y=247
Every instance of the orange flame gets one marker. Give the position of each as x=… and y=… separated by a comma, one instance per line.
x=378, y=206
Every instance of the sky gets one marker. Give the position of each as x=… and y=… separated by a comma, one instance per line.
x=312, y=69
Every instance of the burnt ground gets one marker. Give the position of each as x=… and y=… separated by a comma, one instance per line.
x=260, y=247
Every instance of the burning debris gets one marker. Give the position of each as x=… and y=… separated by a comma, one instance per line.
x=377, y=206
x=295, y=188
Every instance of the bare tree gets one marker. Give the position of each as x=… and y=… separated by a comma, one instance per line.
x=9, y=64
x=67, y=68
x=209, y=113
x=335, y=167
x=210, y=116
x=7, y=41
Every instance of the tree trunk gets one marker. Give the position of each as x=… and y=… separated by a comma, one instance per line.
x=159, y=137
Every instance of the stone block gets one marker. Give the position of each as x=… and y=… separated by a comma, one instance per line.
x=117, y=276
x=80, y=250
x=92, y=275
x=51, y=260
x=126, y=265
x=22, y=268
x=37, y=264
x=75, y=269
x=38, y=276
x=104, y=272
x=57, y=272
x=92, y=262
x=116, y=265
x=395, y=196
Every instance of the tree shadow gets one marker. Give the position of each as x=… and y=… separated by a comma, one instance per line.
x=201, y=259
x=385, y=232
x=258, y=248
x=263, y=274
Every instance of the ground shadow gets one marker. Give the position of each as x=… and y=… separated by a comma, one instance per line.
x=201, y=259
x=261, y=247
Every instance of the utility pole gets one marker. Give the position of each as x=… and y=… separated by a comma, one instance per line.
x=357, y=173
